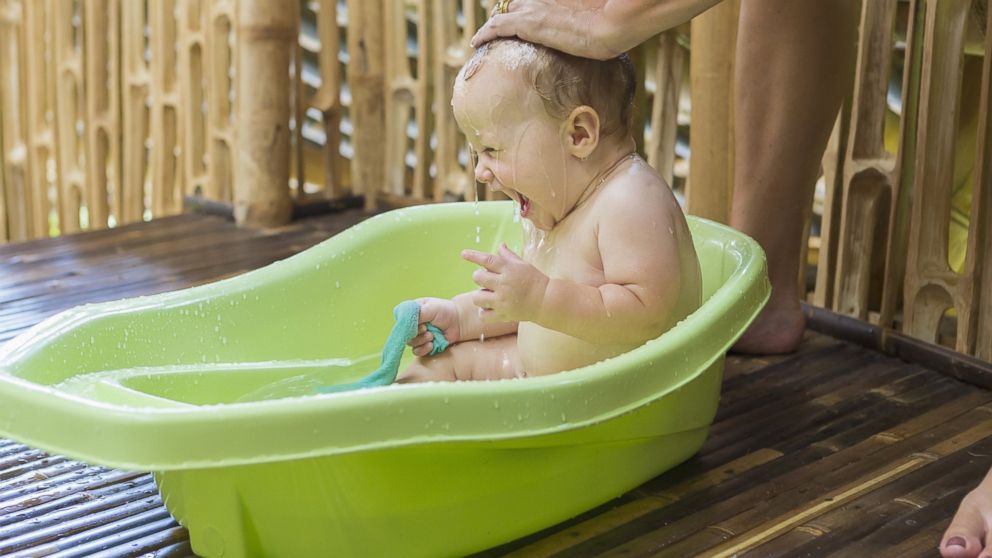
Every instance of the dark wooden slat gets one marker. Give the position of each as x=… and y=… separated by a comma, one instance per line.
x=108, y=521
x=892, y=508
x=123, y=540
x=767, y=489
x=129, y=500
x=79, y=500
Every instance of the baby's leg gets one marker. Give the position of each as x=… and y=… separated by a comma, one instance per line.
x=491, y=359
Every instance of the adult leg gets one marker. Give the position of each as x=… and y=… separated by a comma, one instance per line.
x=794, y=65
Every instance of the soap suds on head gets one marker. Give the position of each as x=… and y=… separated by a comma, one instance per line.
x=514, y=54
x=510, y=54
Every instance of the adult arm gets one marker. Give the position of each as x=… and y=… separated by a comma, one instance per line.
x=598, y=29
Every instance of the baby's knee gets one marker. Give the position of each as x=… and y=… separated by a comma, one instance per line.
x=428, y=369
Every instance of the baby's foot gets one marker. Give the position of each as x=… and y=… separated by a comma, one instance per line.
x=968, y=534
x=778, y=329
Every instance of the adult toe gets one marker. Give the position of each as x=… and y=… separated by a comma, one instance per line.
x=965, y=536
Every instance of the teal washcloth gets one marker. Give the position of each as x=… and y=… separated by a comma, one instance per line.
x=407, y=314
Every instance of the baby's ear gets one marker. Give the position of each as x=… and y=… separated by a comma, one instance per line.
x=581, y=131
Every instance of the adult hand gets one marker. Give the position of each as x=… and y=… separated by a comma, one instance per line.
x=512, y=289
x=598, y=29
x=578, y=28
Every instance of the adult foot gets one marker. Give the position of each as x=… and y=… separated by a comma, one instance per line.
x=968, y=534
x=778, y=329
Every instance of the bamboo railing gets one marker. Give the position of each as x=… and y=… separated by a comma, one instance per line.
x=891, y=210
x=114, y=111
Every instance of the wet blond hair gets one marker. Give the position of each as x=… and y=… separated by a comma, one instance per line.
x=565, y=82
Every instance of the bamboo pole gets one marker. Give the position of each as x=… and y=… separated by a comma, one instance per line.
x=103, y=161
x=192, y=127
x=870, y=176
x=221, y=126
x=165, y=165
x=16, y=183
x=709, y=190
x=70, y=113
x=135, y=83
x=931, y=286
x=981, y=211
x=669, y=62
x=365, y=73
x=40, y=109
x=266, y=37
x=327, y=98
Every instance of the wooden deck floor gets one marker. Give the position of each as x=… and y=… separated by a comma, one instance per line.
x=835, y=450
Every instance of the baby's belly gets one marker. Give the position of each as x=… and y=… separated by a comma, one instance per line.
x=544, y=351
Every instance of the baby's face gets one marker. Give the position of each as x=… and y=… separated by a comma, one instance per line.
x=519, y=146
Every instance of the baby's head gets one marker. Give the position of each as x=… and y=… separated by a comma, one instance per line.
x=543, y=122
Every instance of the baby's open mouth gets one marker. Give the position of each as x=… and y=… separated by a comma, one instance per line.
x=522, y=200
x=524, y=205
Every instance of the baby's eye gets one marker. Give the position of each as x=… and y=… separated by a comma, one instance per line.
x=489, y=150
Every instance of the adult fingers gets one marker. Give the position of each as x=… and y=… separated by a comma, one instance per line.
x=491, y=262
x=511, y=24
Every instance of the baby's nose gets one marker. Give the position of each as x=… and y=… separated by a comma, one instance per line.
x=483, y=174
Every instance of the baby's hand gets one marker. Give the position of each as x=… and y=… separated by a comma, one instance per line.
x=444, y=315
x=512, y=289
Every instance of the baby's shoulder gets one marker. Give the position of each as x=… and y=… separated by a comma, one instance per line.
x=636, y=191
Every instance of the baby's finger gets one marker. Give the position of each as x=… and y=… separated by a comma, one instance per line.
x=487, y=315
x=485, y=279
x=484, y=298
x=428, y=312
x=422, y=350
x=492, y=262
x=425, y=337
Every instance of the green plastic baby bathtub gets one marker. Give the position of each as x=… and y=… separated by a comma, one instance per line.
x=213, y=389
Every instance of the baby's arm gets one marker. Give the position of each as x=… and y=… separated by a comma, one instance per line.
x=458, y=319
x=640, y=251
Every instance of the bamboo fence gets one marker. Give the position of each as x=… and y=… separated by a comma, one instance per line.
x=115, y=111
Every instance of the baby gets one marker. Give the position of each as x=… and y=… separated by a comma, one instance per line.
x=608, y=262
